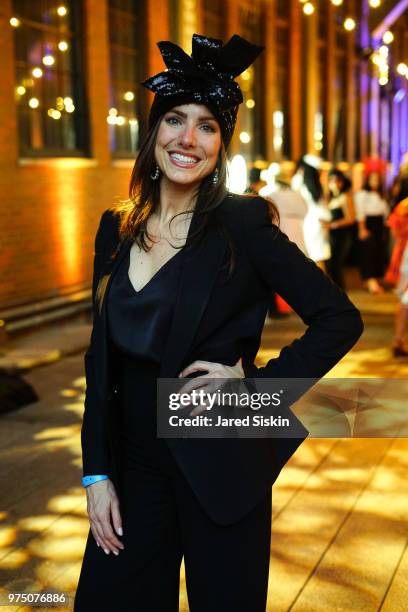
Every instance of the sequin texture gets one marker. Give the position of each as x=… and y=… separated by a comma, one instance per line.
x=206, y=77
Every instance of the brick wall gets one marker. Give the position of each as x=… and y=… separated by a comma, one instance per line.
x=50, y=208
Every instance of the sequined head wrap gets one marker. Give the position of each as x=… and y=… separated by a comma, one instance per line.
x=206, y=77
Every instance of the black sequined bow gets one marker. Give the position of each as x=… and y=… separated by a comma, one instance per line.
x=207, y=76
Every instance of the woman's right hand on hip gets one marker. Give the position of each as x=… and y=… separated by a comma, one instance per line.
x=102, y=506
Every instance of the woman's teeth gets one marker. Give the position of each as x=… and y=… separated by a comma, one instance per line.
x=183, y=159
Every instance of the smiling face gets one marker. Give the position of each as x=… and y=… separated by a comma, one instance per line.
x=187, y=145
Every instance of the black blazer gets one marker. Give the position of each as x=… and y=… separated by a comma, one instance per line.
x=220, y=319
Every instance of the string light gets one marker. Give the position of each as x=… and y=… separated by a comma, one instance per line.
x=113, y=112
x=129, y=96
x=33, y=103
x=37, y=73
x=349, y=24
x=62, y=45
x=388, y=37
x=14, y=22
x=337, y=2
x=402, y=69
x=21, y=90
x=68, y=101
x=250, y=103
x=245, y=137
x=48, y=60
x=308, y=8
x=374, y=3
x=61, y=10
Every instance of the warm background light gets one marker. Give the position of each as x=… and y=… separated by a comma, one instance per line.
x=244, y=137
x=349, y=24
x=308, y=8
x=33, y=103
x=388, y=37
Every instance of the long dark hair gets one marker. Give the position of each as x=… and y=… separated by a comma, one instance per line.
x=144, y=193
x=345, y=181
x=311, y=179
x=144, y=198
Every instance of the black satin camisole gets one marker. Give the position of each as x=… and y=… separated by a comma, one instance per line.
x=139, y=321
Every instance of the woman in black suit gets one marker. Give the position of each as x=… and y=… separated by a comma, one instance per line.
x=183, y=276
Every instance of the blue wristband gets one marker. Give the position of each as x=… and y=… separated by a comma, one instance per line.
x=88, y=480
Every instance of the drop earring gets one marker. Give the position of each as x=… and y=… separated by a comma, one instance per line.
x=215, y=177
x=155, y=174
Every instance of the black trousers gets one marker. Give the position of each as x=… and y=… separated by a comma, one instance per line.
x=340, y=244
x=226, y=567
x=373, y=250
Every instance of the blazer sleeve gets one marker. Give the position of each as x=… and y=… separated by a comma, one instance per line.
x=94, y=440
x=334, y=323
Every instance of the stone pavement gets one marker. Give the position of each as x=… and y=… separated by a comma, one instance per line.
x=340, y=506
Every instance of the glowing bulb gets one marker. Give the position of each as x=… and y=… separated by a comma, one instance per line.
x=349, y=24
x=337, y=2
x=308, y=8
x=21, y=90
x=55, y=114
x=250, y=103
x=383, y=50
x=111, y=119
x=402, y=69
x=33, y=103
x=62, y=45
x=374, y=3
x=68, y=101
x=48, y=60
x=244, y=137
x=14, y=22
x=120, y=120
x=133, y=122
x=388, y=37
x=113, y=111
x=60, y=103
x=37, y=73
x=70, y=108
x=61, y=10
x=383, y=80
x=318, y=146
x=129, y=96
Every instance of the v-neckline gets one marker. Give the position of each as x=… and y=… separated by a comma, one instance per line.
x=136, y=291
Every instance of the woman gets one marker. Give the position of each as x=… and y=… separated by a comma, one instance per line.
x=193, y=312
x=341, y=207
x=306, y=182
x=371, y=212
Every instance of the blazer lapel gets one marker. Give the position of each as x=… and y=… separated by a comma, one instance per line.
x=103, y=379
x=199, y=268
x=198, y=274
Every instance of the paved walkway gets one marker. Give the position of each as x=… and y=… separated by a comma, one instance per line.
x=340, y=506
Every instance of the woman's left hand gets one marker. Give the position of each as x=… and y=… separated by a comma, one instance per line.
x=205, y=382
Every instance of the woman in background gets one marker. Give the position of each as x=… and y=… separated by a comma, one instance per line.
x=372, y=211
x=306, y=182
x=341, y=207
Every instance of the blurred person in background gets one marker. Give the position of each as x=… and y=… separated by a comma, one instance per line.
x=398, y=222
x=255, y=181
x=372, y=211
x=343, y=217
x=292, y=209
x=306, y=182
x=400, y=348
